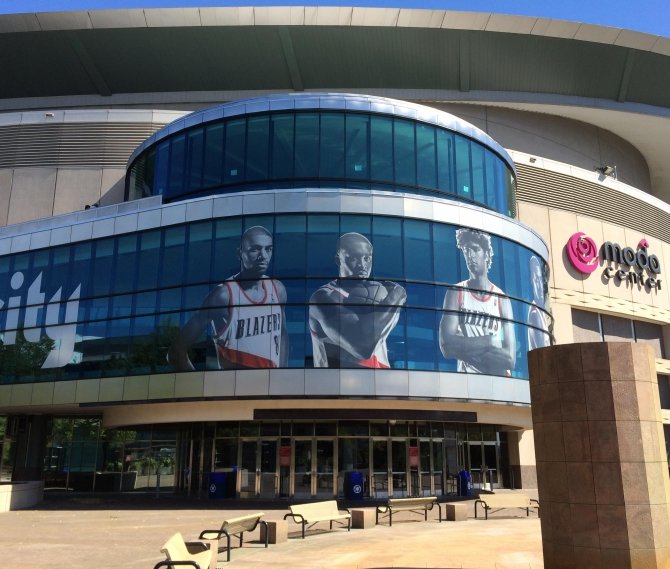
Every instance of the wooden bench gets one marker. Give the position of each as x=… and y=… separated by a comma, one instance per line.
x=315, y=512
x=416, y=505
x=177, y=553
x=236, y=527
x=497, y=502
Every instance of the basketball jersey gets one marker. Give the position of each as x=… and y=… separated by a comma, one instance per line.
x=252, y=335
x=479, y=315
x=535, y=312
x=337, y=356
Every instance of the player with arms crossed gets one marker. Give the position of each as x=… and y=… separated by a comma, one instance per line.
x=351, y=317
x=538, y=336
x=476, y=328
x=245, y=314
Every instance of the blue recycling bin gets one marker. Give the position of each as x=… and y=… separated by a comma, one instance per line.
x=464, y=483
x=217, y=484
x=353, y=485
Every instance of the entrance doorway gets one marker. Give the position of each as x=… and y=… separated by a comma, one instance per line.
x=482, y=460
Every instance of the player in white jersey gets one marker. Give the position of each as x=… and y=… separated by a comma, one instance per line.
x=351, y=317
x=477, y=328
x=245, y=314
x=538, y=330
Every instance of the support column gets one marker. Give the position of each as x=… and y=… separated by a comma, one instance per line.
x=601, y=465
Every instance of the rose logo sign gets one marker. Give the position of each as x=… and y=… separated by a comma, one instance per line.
x=582, y=253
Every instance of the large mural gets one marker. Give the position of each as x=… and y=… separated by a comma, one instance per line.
x=275, y=291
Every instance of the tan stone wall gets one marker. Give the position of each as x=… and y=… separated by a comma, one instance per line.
x=569, y=288
x=601, y=464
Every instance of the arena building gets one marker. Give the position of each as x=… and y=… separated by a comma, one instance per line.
x=303, y=252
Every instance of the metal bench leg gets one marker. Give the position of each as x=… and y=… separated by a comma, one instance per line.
x=265, y=525
x=228, y=550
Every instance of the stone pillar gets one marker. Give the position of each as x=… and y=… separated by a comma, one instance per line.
x=601, y=464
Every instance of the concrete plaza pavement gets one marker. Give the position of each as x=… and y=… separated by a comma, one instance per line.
x=127, y=531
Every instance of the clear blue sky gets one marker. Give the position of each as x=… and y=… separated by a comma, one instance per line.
x=651, y=16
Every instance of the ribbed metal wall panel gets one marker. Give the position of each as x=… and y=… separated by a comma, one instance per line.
x=560, y=191
x=77, y=145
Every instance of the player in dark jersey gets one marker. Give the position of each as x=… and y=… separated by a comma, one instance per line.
x=476, y=327
x=351, y=317
x=244, y=314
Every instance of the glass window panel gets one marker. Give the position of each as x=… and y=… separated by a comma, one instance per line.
x=616, y=329
x=404, y=151
x=195, y=295
x=258, y=147
x=148, y=261
x=381, y=148
x=213, y=166
x=296, y=326
x=103, y=265
x=233, y=163
x=324, y=231
x=173, y=256
x=195, y=150
x=290, y=246
x=426, y=167
x=664, y=392
x=418, y=250
x=421, y=339
x=493, y=184
x=356, y=224
x=199, y=256
x=282, y=146
x=421, y=295
x=170, y=300
x=463, y=179
x=651, y=334
x=396, y=343
x=122, y=305
x=445, y=161
x=126, y=256
x=357, y=146
x=331, y=161
x=352, y=429
x=388, y=246
x=161, y=170
x=586, y=326
x=226, y=261
x=448, y=258
x=176, y=169
x=146, y=302
x=306, y=145
x=478, y=173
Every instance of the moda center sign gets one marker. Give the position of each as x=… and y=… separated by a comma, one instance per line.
x=634, y=266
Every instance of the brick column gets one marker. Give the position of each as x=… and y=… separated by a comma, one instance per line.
x=601, y=464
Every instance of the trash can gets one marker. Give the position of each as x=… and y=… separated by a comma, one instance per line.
x=353, y=485
x=217, y=484
x=464, y=483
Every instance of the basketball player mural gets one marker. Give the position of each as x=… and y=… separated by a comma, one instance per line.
x=537, y=334
x=476, y=328
x=245, y=314
x=351, y=317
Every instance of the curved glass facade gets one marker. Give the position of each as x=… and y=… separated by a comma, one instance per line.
x=275, y=290
x=322, y=148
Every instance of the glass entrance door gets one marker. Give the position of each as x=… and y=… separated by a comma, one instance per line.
x=269, y=476
x=325, y=470
x=380, y=468
x=248, y=468
x=399, y=468
x=482, y=460
x=302, y=469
